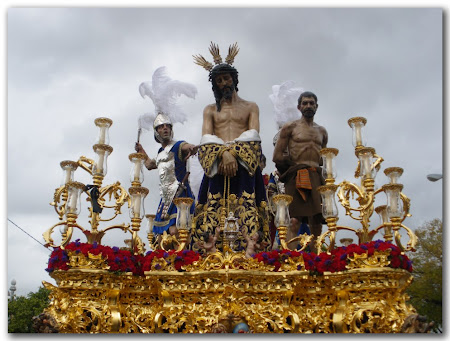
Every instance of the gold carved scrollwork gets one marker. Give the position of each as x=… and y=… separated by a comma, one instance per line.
x=60, y=200
x=201, y=301
x=117, y=192
x=91, y=262
x=291, y=265
x=233, y=261
x=378, y=260
x=86, y=163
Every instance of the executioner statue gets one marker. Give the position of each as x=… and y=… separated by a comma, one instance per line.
x=232, y=189
x=301, y=166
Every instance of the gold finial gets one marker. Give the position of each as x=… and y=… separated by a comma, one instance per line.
x=232, y=52
x=214, y=50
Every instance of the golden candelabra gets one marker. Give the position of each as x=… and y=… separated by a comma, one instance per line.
x=67, y=200
x=392, y=214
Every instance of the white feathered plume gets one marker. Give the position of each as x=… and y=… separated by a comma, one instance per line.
x=285, y=101
x=145, y=121
x=163, y=91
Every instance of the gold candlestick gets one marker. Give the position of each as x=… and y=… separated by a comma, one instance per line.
x=282, y=219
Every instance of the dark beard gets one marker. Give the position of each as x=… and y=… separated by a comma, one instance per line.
x=309, y=113
x=227, y=92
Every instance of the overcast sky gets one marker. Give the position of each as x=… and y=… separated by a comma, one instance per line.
x=66, y=67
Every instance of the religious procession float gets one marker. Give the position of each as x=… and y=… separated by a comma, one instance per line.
x=201, y=277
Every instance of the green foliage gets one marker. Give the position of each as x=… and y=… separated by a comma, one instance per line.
x=22, y=309
x=426, y=289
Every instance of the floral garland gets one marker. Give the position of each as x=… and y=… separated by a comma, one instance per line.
x=176, y=258
x=337, y=259
x=120, y=260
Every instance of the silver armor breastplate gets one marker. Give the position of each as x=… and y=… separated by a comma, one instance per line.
x=168, y=183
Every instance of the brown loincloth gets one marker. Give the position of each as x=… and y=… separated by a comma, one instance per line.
x=306, y=202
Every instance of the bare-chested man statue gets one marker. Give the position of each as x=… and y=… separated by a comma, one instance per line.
x=230, y=154
x=302, y=174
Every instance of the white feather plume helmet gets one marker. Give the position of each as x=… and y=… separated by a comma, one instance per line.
x=284, y=98
x=164, y=91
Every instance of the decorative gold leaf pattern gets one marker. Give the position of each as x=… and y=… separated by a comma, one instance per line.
x=357, y=301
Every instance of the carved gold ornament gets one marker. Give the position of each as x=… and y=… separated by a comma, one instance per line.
x=78, y=261
x=357, y=301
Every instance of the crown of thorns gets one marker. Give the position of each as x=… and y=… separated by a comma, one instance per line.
x=214, y=50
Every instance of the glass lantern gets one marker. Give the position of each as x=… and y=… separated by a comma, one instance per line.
x=103, y=124
x=137, y=174
x=357, y=123
x=73, y=201
x=394, y=202
x=68, y=168
x=150, y=235
x=282, y=202
x=150, y=221
x=137, y=196
x=365, y=155
x=394, y=174
x=183, y=212
x=328, y=156
x=382, y=213
x=346, y=241
x=329, y=207
x=102, y=152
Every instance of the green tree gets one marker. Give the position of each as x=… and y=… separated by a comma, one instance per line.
x=426, y=289
x=22, y=309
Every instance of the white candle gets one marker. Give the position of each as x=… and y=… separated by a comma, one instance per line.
x=137, y=170
x=150, y=224
x=68, y=175
x=329, y=164
x=101, y=160
x=366, y=165
x=328, y=206
x=358, y=134
x=183, y=219
x=282, y=215
x=394, y=177
x=384, y=217
x=102, y=135
x=137, y=206
x=73, y=201
x=394, y=203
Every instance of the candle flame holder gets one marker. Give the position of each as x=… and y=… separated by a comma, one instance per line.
x=183, y=220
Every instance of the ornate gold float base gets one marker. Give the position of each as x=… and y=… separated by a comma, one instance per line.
x=354, y=301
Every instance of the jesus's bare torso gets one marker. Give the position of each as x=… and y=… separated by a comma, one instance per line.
x=234, y=118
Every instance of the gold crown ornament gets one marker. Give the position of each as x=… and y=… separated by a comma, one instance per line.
x=214, y=50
